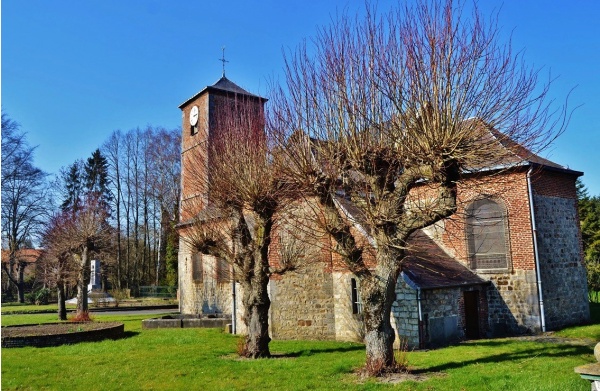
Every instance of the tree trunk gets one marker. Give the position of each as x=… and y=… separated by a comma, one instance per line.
x=21, y=282
x=378, y=294
x=83, y=281
x=256, y=304
x=62, y=308
x=255, y=298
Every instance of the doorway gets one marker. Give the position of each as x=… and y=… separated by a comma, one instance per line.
x=471, y=299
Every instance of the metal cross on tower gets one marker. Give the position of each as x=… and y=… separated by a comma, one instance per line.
x=223, y=60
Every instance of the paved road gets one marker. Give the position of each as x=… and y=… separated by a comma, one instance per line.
x=135, y=311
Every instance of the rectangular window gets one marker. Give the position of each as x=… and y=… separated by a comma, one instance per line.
x=223, y=271
x=355, y=297
x=197, y=269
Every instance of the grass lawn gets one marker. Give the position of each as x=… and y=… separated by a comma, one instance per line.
x=204, y=359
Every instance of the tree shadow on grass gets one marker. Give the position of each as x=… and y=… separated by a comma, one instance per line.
x=521, y=355
x=310, y=352
x=130, y=334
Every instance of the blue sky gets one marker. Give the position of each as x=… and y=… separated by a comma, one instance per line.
x=74, y=71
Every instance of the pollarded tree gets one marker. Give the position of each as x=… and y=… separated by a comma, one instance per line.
x=233, y=214
x=80, y=235
x=389, y=113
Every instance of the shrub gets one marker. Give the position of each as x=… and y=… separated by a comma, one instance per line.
x=119, y=295
x=38, y=297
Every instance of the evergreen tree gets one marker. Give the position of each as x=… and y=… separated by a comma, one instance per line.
x=589, y=216
x=72, y=187
x=96, y=178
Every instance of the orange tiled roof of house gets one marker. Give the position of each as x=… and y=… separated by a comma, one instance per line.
x=27, y=255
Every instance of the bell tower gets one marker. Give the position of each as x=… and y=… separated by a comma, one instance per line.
x=202, y=118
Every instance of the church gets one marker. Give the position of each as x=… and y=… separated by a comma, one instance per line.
x=508, y=262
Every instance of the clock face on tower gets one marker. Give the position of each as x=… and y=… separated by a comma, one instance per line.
x=194, y=116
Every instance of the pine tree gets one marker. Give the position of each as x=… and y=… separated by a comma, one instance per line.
x=72, y=187
x=96, y=178
x=96, y=175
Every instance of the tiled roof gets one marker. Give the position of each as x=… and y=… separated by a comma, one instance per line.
x=430, y=267
x=225, y=85
x=510, y=153
x=425, y=263
x=27, y=255
x=208, y=213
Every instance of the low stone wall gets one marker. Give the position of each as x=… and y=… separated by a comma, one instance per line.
x=185, y=321
x=111, y=331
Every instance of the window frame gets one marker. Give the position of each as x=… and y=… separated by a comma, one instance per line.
x=475, y=262
x=197, y=267
x=355, y=297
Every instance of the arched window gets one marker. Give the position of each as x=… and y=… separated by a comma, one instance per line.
x=487, y=235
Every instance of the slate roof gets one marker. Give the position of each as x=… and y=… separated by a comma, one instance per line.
x=224, y=85
x=430, y=267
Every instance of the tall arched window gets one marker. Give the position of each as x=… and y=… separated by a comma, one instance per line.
x=487, y=235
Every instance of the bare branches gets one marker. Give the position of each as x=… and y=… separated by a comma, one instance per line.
x=387, y=114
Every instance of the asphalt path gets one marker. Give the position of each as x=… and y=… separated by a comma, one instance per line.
x=137, y=311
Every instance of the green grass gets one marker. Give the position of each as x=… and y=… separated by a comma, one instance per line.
x=173, y=359
x=16, y=308
x=591, y=331
x=12, y=308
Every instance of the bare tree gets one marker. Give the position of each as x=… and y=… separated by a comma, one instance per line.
x=144, y=173
x=57, y=262
x=80, y=234
x=385, y=115
x=233, y=215
x=24, y=200
x=164, y=154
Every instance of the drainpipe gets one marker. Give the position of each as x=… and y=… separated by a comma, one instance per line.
x=420, y=310
x=233, y=315
x=535, y=251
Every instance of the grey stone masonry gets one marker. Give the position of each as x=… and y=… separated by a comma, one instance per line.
x=513, y=306
x=563, y=275
x=302, y=304
x=442, y=316
x=405, y=315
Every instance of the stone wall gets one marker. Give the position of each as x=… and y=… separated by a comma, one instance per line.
x=405, y=314
x=210, y=295
x=442, y=317
x=563, y=275
x=302, y=304
x=513, y=306
x=348, y=326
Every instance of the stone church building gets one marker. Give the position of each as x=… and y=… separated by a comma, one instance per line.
x=508, y=262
